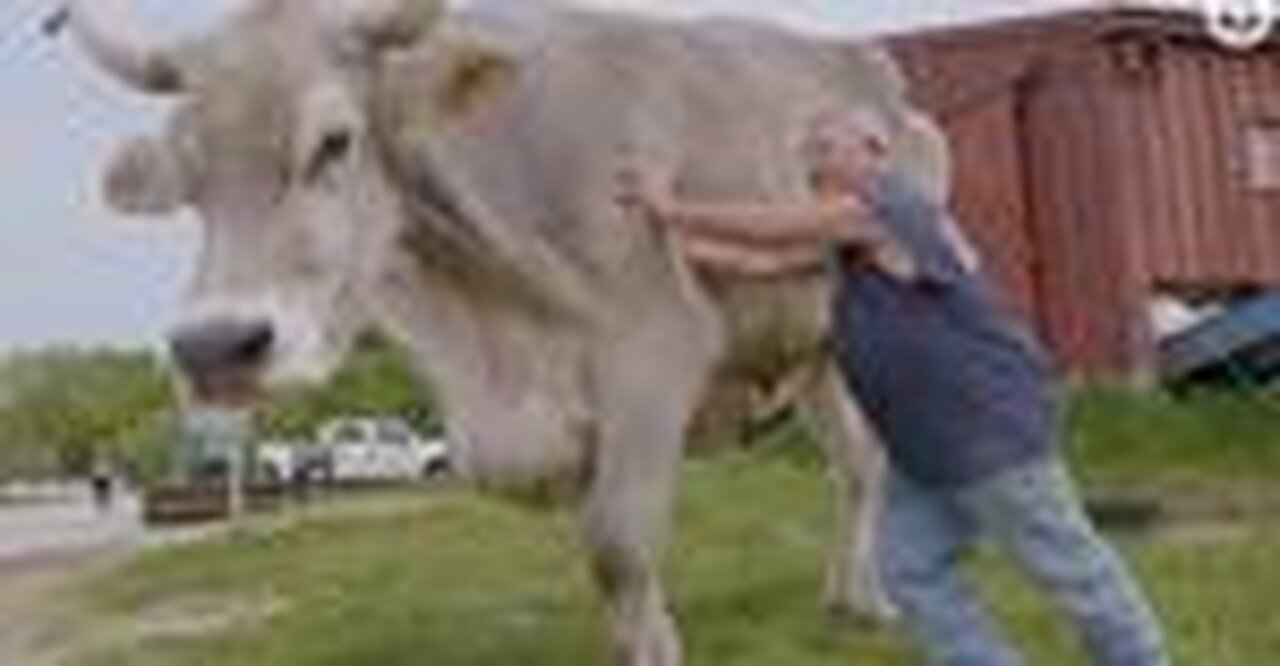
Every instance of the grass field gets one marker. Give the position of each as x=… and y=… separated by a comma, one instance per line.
x=450, y=579
x=1121, y=437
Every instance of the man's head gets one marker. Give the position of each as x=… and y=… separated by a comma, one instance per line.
x=842, y=148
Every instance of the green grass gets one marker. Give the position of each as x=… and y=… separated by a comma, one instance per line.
x=450, y=579
x=1122, y=436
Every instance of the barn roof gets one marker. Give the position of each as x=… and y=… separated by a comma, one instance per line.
x=1173, y=20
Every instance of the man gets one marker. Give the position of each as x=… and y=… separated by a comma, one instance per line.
x=959, y=392
x=102, y=484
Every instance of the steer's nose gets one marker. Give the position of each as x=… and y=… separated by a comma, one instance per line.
x=221, y=345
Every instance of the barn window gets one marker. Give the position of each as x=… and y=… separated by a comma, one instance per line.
x=1262, y=155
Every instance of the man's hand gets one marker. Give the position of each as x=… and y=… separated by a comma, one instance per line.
x=890, y=258
x=868, y=242
x=638, y=194
x=746, y=261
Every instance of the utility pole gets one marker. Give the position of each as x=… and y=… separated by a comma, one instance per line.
x=237, y=444
x=220, y=433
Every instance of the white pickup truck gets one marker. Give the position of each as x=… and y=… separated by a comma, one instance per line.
x=357, y=449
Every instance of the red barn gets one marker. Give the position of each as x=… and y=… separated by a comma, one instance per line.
x=1105, y=157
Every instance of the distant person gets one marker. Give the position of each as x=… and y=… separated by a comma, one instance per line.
x=102, y=485
x=962, y=396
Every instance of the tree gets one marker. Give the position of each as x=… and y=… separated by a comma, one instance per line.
x=376, y=379
x=61, y=408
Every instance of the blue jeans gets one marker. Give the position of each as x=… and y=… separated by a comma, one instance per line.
x=1033, y=514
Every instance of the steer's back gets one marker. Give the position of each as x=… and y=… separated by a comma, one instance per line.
x=722, y=104
x=717, y=105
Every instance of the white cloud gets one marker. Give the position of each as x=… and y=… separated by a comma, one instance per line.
x=850, y=16
x=840, y=16
x=20, y=133
x=10, y=150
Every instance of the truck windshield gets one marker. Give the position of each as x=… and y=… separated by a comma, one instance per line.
x=394, y=432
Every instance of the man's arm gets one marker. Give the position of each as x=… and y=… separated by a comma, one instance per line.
x=751, y=262
x=820, y=223
x=817, y=224
x=765, y=239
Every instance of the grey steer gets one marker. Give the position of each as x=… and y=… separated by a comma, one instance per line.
x=448, y=179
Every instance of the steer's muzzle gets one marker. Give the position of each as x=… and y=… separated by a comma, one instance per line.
x=222, y=346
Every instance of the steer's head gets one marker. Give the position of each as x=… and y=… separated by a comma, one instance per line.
x=270, y=144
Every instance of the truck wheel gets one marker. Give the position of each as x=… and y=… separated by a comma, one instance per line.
x=435, y=468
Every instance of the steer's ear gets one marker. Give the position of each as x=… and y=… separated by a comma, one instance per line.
x=144, y=177
x=475, y=73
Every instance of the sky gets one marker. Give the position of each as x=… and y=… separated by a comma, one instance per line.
x=73, y=273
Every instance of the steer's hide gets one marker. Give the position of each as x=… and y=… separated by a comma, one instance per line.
x=550, y=284
x=355, y=162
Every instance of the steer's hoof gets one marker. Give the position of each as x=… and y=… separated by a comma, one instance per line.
x=863, y=611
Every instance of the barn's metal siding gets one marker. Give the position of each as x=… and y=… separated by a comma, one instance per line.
x=1099, y=156
x=973, y=93
x=1073, y=201
x=1023, y=109
x=1198, y=222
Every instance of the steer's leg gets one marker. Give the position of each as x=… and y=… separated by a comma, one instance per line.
x=857, y=469
x=644, y=413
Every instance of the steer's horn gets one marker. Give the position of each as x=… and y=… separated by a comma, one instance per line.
x=99, y=27
x=391, y=23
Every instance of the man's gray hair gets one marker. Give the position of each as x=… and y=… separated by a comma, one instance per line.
x=865, y=119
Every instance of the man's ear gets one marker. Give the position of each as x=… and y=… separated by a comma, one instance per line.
x=145, y=177
x=475, y=73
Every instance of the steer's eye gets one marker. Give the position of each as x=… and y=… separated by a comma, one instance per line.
x=332, y=149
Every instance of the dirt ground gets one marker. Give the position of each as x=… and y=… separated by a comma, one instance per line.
x=46, y=544
x=34, y=626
